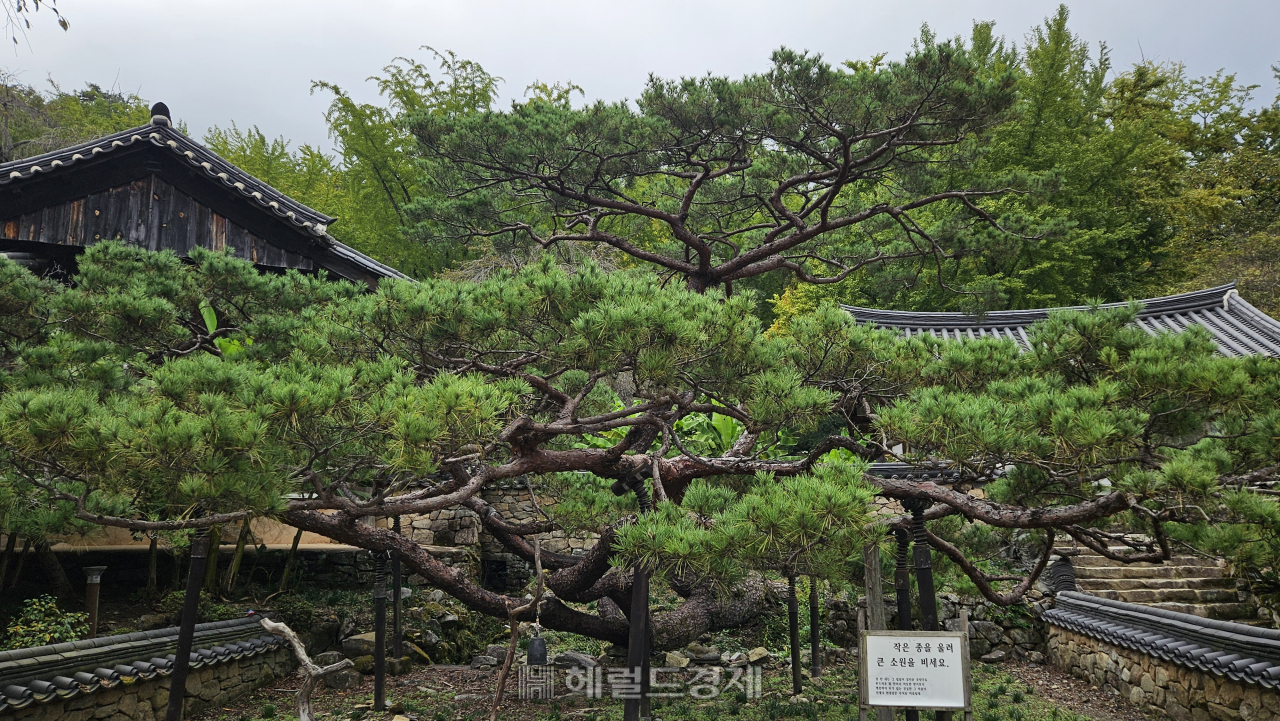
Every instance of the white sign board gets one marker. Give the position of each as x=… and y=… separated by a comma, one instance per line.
x=915, y=669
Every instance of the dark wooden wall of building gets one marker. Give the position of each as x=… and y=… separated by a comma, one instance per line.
x=152, y=214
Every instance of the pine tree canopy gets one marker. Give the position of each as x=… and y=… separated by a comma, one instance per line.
x=808, y=167
x=156, y=394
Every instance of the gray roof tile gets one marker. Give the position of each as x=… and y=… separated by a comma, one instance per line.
x=1238, y=328
x=37, y=675
x=1237, y=651
x=196, y=155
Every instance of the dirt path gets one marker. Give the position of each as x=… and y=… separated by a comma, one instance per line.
x=1073, y=694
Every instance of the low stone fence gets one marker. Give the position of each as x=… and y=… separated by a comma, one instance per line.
x=1184, y=667
x=126, y=677
x=992, y=630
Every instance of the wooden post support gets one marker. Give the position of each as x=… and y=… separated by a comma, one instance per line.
x=862, y=626
x=311, y=674
x=93, y=583
x=874, y=582
x=211, y=564
x=187, y=628
x=875, y=616
x=964, y=628
x=902, y=584
x=288, y=564
x=153, y=553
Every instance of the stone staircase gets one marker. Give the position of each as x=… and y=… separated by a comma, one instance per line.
x=1186, y=584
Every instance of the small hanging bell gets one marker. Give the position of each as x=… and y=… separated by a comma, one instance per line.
x=537, y=649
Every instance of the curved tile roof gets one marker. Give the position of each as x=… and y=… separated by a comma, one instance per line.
x=1239, y=652
x=1237, y=327
x=67, y=670
x=164, y=137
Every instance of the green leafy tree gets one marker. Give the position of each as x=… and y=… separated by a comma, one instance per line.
x=378, y=172
x=34, y=122
x=1101, y=158
x=1231, y=230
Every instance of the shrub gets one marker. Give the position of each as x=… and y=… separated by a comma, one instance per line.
x=42, y=623
x=295, y=611
x=208, y=610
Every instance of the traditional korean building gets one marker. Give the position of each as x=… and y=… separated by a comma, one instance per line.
x=1237, y=327
x=157, y=188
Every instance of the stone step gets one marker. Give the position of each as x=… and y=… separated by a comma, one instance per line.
x=1219, y=611
x=1086, y=551
x=1129, y=584
x=1153, y=596
x=1148, y=571
x=1088, y=561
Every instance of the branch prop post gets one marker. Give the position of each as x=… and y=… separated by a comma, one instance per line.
x=380, y=631
x=924, y=573
x=639, y=633
x=793, y=627
x=91, y=588
x=187, y=628
x=211, y=563
x=288, y=565
x=242, y=539
x=153, y=553
x=815, y=630
x=902, y=584
x=924, y=565
x=902, y=580
x=515, y=631
x=311, y=674
x=874, y=613
x=397, y=623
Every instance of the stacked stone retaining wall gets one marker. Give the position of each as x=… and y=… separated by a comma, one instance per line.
x=128, y=676
x=145, y=700
x=1182, y=666
x=1171, y=690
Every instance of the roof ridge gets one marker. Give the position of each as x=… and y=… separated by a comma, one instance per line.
x=1235, y=325
x=1193, y=300
x=196, y=154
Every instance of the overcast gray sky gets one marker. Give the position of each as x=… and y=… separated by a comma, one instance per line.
x=252, y=61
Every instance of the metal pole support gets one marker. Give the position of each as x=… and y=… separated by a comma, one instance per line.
x=638, y=638
x=637, y=648
x=815, y=628
x=397, y=623
x=187, y=627
x=921, y=551
x=380, y=632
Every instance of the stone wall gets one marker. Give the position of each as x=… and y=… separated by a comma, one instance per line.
x=141, y=700
x=1171, y=690
x=489, y=560
x=991, y=629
